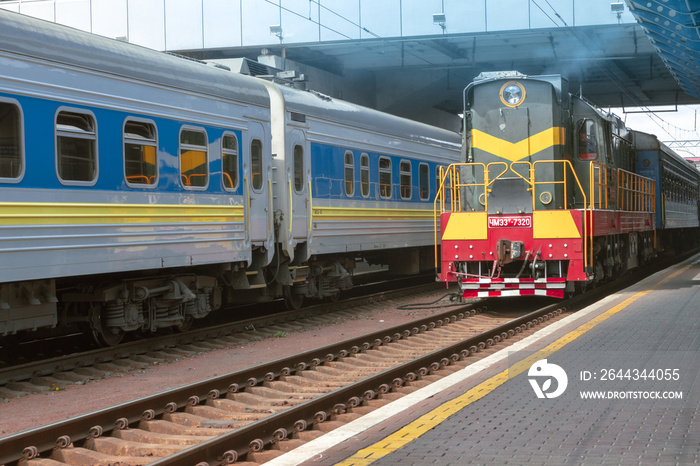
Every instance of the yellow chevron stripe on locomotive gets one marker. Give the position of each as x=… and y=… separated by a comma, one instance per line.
x=515, y=151
x=48, y=213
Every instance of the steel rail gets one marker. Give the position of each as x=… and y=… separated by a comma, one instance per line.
x=77, y=428
x=240, y=441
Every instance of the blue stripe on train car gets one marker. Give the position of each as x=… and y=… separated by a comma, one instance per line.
x=328, y=174
x=40, y=149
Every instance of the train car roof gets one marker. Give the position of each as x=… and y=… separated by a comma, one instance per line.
x=340, y=111
x=646, y=141
x=48, y=41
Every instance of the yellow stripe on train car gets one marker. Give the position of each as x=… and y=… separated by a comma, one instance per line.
x=352, y=213
x=45, y=213
x=554, y=224
x=515, y=151
x=466, y=226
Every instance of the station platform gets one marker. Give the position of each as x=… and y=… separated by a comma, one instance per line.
x=615, y=383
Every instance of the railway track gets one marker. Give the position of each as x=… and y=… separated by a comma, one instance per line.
x=241, y=415
x=44, y=374
x=257, y=413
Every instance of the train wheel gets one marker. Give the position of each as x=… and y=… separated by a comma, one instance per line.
x=186, y=324
x=293, y=301
x=109, y=337
x=104, y=336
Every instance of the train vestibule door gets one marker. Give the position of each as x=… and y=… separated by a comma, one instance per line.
x=257, y=178
x=298, y=178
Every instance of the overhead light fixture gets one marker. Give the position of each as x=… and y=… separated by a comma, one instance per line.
x=440, y=20
x=276, y=30
x=619, y=8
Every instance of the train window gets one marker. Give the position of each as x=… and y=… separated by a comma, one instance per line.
x=364, y=174
x=229, y=161
x=298, y=168
x=587, y=140
x=424, y=181
x=11, y=157
x=384, y=177
x=349, y=174
x=140, y=153
x=193, y=158
x=405, y=179
x=256, y=162
x=76, y=147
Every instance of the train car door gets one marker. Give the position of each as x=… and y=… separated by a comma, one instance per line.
x=298, y=172
x=258, y=190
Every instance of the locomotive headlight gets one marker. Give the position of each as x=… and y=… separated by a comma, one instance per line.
x=546, y=197
x=512, y=94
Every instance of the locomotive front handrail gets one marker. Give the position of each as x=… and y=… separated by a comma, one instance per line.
x=455, y=193
x=585, y=212
x=530, y=175
x=455, y=185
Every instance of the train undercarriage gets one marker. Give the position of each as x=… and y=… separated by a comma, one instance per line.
x=109, y=307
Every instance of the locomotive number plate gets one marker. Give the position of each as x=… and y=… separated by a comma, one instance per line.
x=509, y=222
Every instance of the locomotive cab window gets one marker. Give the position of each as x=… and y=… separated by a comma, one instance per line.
x=193, y=158
x=140, y=144
x=349, y=174
x=11, y=150
x=229, y=161
x=298, y=168
x=364, y=174
x=384, y=177
x=256, y=163
x=405, y=179
x=587, y=140
x=424, y=182
x=76, y=147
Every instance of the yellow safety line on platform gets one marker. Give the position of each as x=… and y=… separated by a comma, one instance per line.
x=432, y=419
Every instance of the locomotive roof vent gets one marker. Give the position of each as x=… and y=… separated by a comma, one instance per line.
x=499, y=75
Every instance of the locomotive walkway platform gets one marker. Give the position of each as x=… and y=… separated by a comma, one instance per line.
x=630, y=393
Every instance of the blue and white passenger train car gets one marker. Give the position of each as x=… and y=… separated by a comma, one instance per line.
x=139, y=190
x=677, y=193
x=361, y=183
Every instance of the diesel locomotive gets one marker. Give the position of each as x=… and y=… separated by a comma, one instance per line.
x=140, y=190
x=554, y=194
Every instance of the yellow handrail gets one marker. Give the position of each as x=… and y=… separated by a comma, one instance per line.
x=587, y=236
x=635, y=193
x=599, y=186
x=311, y=209
x=291, y=205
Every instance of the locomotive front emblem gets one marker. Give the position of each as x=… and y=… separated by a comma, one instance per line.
x=512, y=94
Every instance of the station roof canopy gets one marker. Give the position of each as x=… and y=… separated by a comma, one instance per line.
x=673, y=28
x=406, y=56
x=612, y=65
